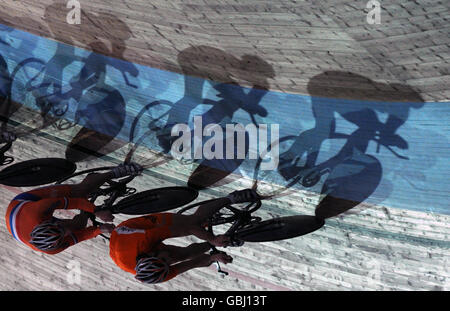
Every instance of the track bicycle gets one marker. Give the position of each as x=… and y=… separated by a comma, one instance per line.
x=243, y=226
x=37, y=171
x=132, y=202
x=350, y=165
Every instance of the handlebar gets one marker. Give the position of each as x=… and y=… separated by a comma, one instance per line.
x=217, y=264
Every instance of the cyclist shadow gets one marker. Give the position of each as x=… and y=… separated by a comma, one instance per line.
x=8, y=106
x=214, y=172
x=99, y=105
x=353, y=174
x=103, y=119
x=225, y=72
x=5, y=91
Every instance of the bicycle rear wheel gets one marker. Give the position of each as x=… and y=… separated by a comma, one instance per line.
x=36, y=172
x=155, y=201
x=279, y=228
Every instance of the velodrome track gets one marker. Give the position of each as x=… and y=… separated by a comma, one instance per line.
x=291, y=56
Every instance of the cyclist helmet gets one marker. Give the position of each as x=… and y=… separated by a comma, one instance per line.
x=47, y=236
x=151, y=270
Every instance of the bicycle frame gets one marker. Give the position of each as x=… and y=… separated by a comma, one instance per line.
x=116, y=189
x=240, y=219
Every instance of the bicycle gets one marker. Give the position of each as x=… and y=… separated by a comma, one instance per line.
x=32, y=172
x=161, y=115
x=243, y=226
x=27, y=85
x=352, y=174
x=133, y=202
x=53, y=105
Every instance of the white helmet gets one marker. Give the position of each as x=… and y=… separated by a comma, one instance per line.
x=151, y=270
x=47, y=236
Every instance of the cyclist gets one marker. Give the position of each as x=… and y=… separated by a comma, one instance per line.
x=30, y=220
x=137, y=247
x=361, y=101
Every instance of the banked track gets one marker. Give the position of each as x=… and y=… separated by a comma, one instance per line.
x=375, y=247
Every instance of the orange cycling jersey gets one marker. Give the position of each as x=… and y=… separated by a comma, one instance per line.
x=30, y=209
x=138, y=236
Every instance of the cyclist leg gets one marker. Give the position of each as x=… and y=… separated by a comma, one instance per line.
x=184, y=225
x=201, y=215
x=94, y=181
x=177, y=253
x=90, y=184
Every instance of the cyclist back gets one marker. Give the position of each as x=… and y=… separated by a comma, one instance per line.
x=29, y=217
x=137, y=247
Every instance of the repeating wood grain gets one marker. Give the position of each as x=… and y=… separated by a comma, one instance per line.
x=374, y=247
x=369, y=248
x=299, y=39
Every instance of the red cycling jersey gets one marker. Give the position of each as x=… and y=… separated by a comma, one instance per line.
x=30, y=209
x=138, y=236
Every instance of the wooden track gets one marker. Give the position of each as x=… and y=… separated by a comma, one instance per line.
x=279, y=45
x=276, y=44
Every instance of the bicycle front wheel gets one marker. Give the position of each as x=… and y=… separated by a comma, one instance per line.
x=155, y=201
x=36, y=172
x=279, y=228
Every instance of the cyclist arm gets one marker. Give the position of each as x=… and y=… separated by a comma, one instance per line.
x=66, y=204
x=76, y=223
x=203, y=234
x=254, y=97
x=203, y=260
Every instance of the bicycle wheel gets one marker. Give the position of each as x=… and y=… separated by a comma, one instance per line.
x=155, y=201
x=36, y=172
x=279, y=228
x=29, y=85
x=149, y=125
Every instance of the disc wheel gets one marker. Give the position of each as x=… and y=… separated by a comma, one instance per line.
x=155, y=201
x=279, y=228
x=36, y=172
